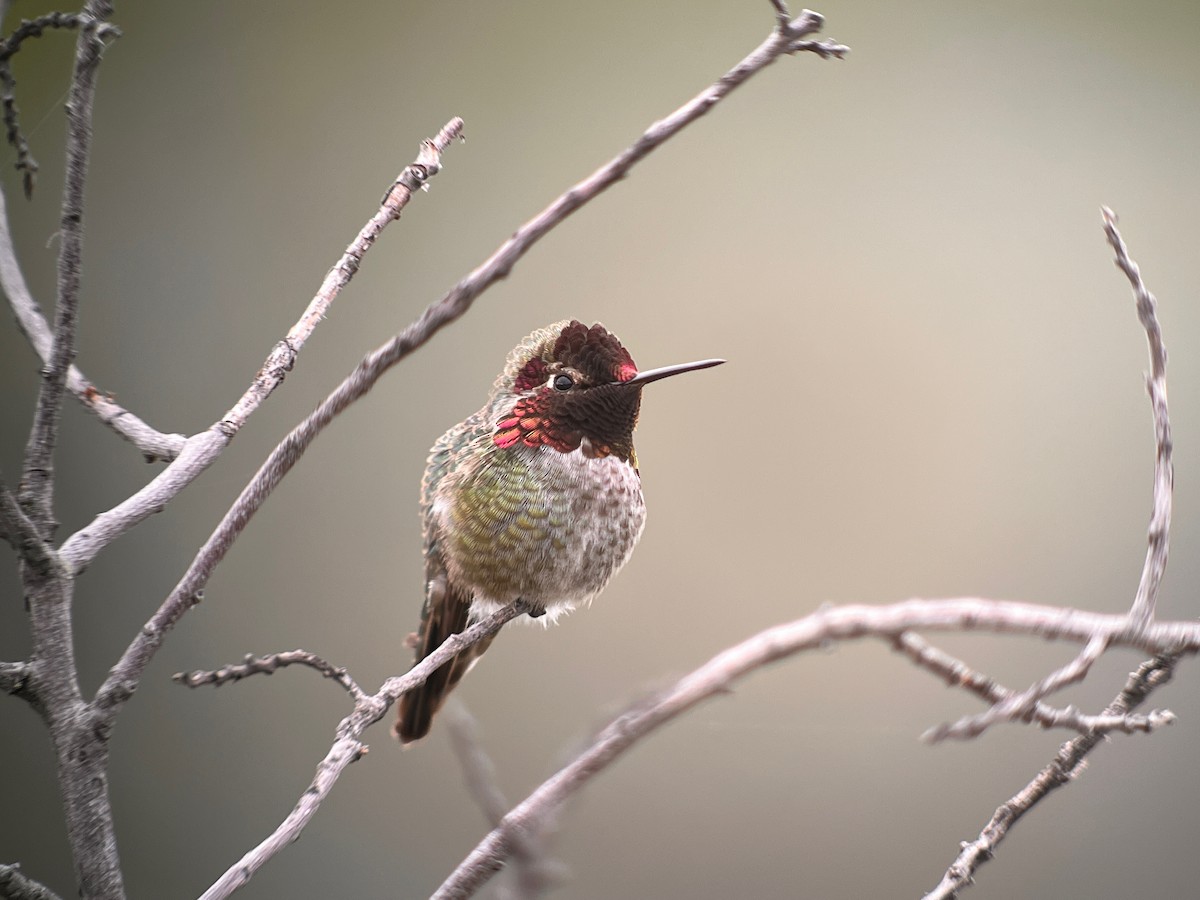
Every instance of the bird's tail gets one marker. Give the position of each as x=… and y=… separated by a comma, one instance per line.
x=418, y=706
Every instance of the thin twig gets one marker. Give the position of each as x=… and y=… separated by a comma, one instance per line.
x=153, y=444
x=823, y=49
x=36, y=491
x=1019, y=706
x=782, y=16
x=202, y=449
x=15, y=885
x=478, y=771
x=348, y=748
x=268, y=665
x=124, y=676
x=819, y=629
x=1159, y=537
x=29, y=28
x=19, y=531
x=957, y=673
x=1062, y=770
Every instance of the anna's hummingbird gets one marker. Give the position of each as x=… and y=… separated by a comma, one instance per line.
x=536, y=496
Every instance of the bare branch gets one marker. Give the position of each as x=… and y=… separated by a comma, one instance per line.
x=201, y=450
x=1019, y=706
x=1141, y=614
x=9, y=46
x=1066, y=765
x=16, y=886
x=795, y=29
x=80, y=742
x=348, y=748
x=19, y=531
x=957, y=673
x=787, y=38
x=153, y=444
x=827, y=625
x=30, y=28
x=1159, y=538
x=36, y=491
x=123, y=678
x=268, y=665
x=823, y=49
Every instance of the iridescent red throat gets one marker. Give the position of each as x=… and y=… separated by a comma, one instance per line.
x=574, y=396
x=600, y=420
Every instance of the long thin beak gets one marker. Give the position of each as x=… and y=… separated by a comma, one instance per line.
x=667, y=371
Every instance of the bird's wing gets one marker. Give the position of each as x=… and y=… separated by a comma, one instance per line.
x=446, y=609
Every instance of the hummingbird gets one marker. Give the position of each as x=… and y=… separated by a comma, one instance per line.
x=536, y=497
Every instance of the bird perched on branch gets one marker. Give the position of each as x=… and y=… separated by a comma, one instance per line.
x=535, y=497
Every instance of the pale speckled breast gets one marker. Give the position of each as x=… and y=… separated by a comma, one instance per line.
x=550, y=527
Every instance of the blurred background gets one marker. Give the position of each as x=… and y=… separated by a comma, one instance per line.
x=934, y=389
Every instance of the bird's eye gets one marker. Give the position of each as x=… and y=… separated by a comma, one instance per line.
x=563, y=382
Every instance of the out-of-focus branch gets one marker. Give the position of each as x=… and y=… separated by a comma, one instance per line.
x=957, y=673
x=348, y=747
x=29, y=28
x=478, y=771
x=36, y=490
x=10, y=45
x=201, y=450
x=153, y=444
x=15, y=885
x=537, y=871
x=124, y=676
x=1159, y=536
x=835, y=623
x=268, y=665
x=1150, y=675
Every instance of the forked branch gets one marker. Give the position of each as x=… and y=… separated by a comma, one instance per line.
x=36, y=490
x=1151, y=675
x=152, y=443
x=1153, y=672
x=957, y=673
x=831, y=624
x=201, y=450
x=348, y=747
